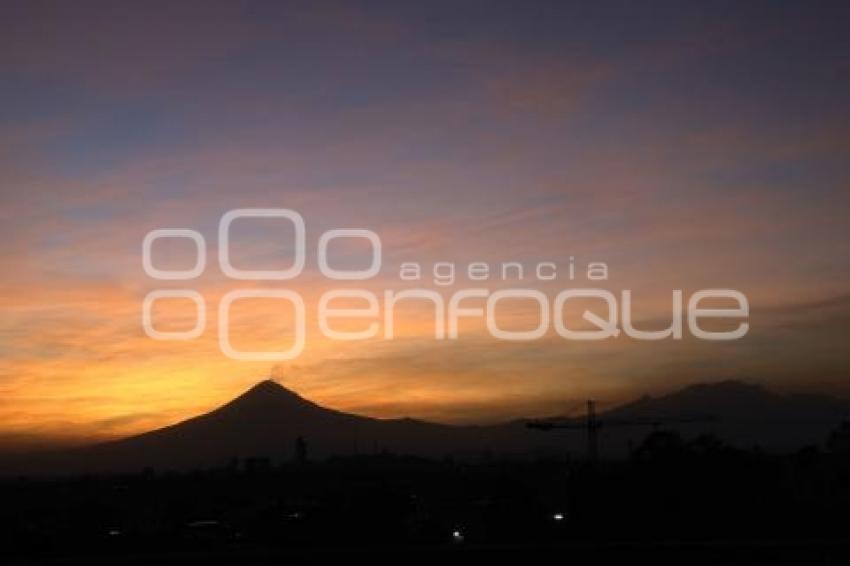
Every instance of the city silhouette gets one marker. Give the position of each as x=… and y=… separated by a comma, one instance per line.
x=273, y=475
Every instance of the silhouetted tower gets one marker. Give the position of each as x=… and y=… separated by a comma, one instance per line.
x=592, y=432
x=839, y=439
x=300, y=450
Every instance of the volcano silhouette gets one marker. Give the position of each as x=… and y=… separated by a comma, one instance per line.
x=267, y=420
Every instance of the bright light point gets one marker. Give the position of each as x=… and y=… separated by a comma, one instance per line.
x=558, y=516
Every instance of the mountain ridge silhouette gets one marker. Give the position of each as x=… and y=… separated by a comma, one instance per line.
x=266, y=420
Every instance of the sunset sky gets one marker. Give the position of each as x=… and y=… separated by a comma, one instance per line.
x=687, y=145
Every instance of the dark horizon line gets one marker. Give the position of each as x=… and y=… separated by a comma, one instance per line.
x=17, y=444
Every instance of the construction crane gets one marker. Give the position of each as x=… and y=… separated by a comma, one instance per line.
x=591, y=424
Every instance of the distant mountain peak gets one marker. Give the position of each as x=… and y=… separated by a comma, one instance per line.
x=267, y=386
x=731, y=390
x=734, y=385
x=269, y=393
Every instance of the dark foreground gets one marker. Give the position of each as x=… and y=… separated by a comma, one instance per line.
x=698, y=502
